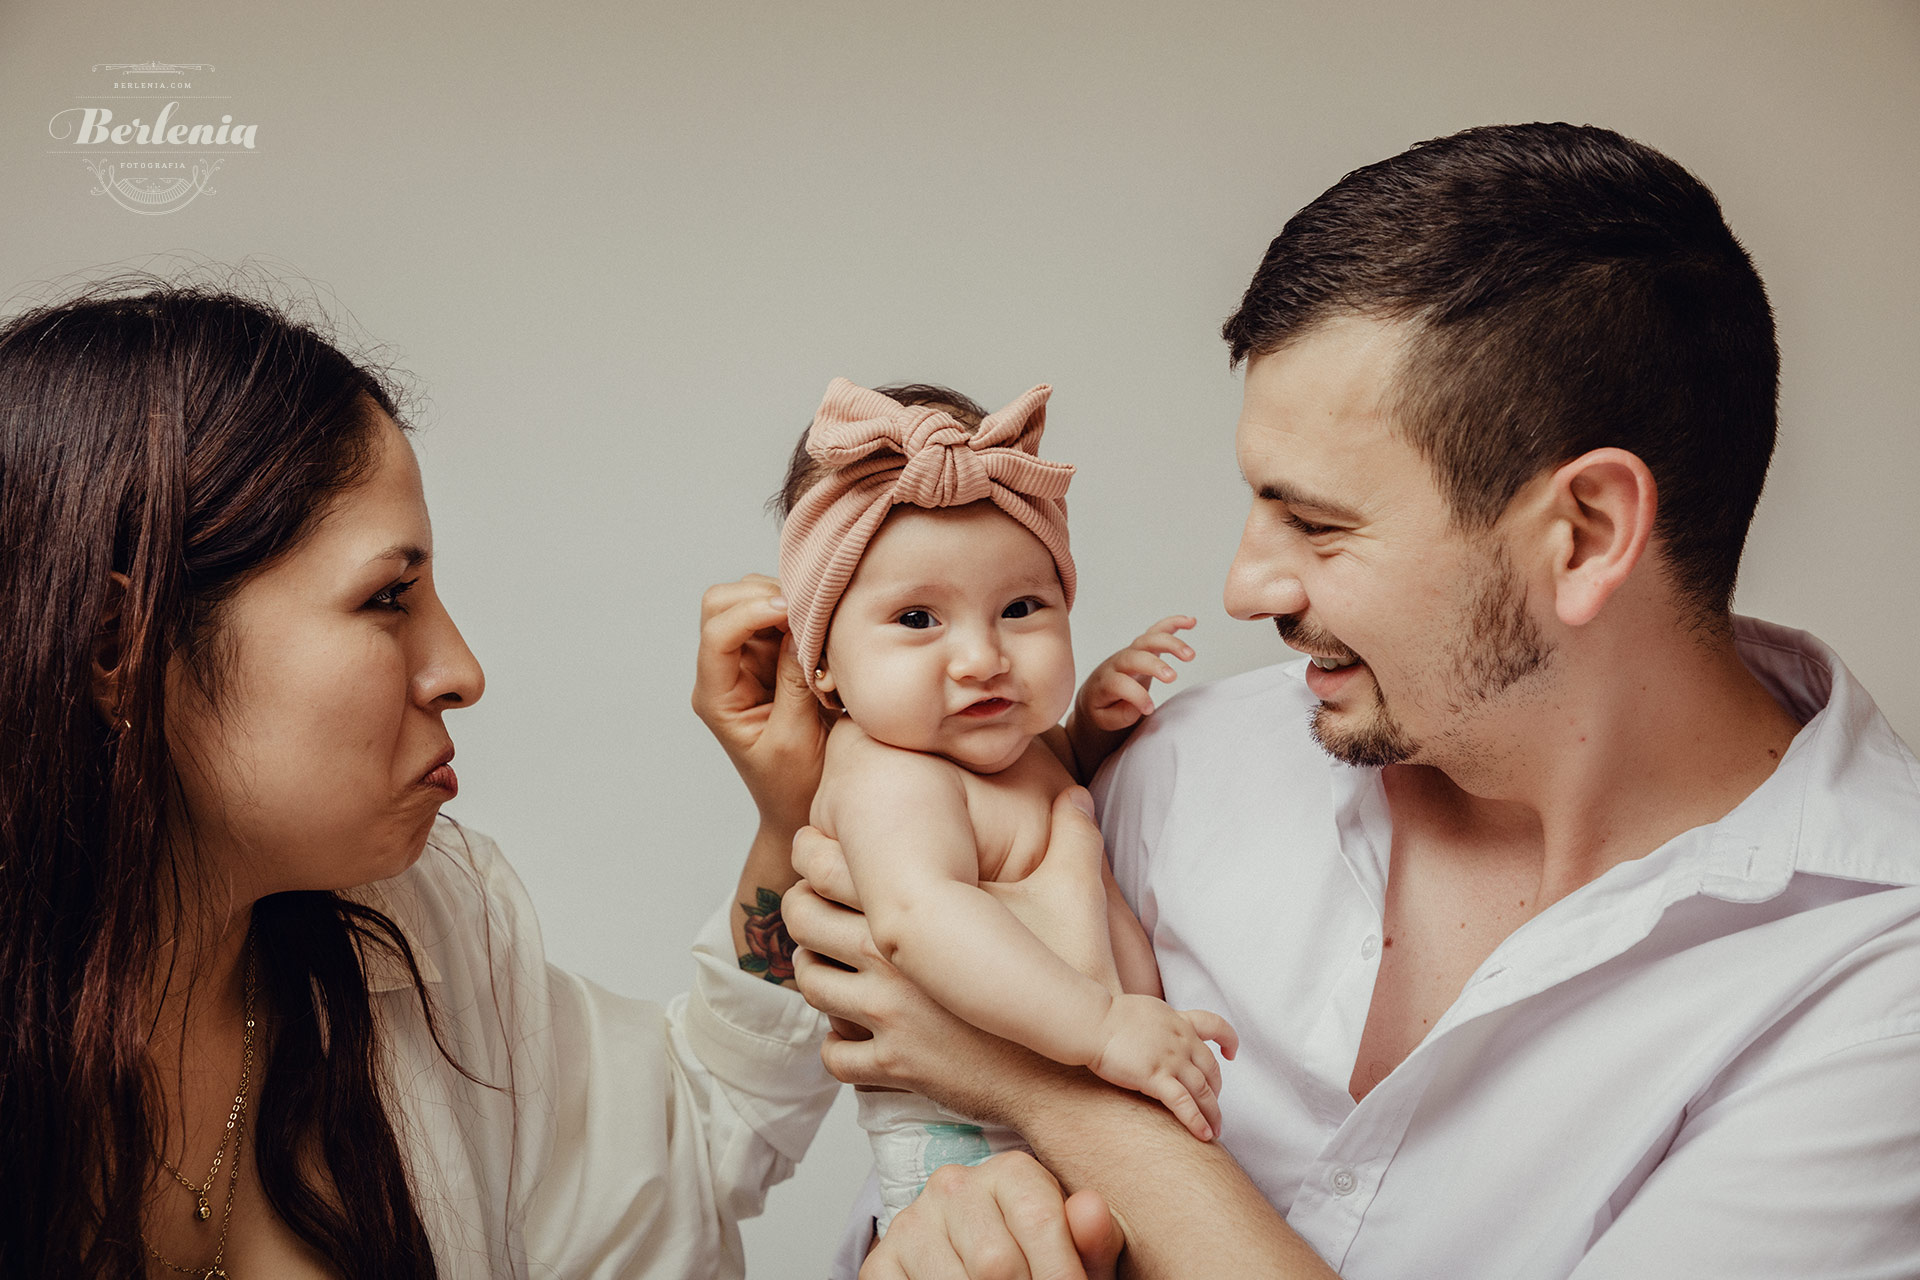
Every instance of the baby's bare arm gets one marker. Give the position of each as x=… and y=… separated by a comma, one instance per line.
x=908, y=836
x=903, y=822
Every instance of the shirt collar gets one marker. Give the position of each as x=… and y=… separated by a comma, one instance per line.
x=399, y=900
x=1844, y=800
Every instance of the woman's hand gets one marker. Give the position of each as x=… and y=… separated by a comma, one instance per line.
x=749, y=691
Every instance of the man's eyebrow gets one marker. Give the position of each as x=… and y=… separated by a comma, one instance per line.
x=1281, y=491
x=414, y=556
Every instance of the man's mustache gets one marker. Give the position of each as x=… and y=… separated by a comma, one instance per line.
x=1297, y=633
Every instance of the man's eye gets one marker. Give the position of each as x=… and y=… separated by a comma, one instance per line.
x=918, y=619
x=1307, y=527
x=389, y=597
x=1022, y=608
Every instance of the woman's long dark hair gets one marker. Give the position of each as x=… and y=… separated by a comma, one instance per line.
x=181, y=438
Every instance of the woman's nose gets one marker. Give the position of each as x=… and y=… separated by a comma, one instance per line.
x=448, y=675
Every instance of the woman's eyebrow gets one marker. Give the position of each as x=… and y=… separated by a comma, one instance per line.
x=408, y=552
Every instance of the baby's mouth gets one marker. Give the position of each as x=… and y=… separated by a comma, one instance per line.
x=986, y=707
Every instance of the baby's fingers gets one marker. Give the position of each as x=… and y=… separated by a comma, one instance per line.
x=1211, y=1026
x=1173, y=1093
x=1142, y=664
x=1114, y=685
x=1160, y=636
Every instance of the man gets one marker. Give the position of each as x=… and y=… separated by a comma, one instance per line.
x=1571, y=926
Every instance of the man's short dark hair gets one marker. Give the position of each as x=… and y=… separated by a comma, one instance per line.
x=1566, y=289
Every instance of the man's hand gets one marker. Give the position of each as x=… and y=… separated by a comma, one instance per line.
x=749, y=691
x=1152, y=1048
x=1003, y=1219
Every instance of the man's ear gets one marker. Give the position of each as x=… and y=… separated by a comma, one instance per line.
x=1602, y=507
x=108, y=657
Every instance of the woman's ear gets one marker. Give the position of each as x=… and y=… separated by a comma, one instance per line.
x=1602, y=505
x=107, y=664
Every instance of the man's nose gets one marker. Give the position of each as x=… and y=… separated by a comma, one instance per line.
x=1262, y=583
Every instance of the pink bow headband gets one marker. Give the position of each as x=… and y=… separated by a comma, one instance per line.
x=881, y=454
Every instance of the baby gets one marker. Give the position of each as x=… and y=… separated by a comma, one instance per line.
x=924, y=560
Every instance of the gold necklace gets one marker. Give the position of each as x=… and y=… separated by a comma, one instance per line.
x=236, y=1132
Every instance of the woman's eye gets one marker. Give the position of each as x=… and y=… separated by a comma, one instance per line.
x=1021, y=609
x=918, y=619
x=389, y=597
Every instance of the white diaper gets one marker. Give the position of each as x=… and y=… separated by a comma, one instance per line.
x=912, y=1136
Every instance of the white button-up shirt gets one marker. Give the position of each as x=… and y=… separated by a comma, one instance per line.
x=1706, y=1062
x=627, y=1139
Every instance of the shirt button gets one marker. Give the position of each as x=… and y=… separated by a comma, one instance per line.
x=1370, y=948
x=1343, y=1182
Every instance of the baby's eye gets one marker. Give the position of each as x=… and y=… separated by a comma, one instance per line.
x=918, y=619
x=1022, y=608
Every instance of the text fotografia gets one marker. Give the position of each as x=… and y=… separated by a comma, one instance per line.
x=96, y=127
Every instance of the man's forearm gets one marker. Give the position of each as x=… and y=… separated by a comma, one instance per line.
x=1186, y=1207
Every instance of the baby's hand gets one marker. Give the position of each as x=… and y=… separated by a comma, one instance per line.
x=1115, y=696
x=1152, y=1048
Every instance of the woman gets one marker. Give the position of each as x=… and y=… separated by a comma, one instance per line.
x=264, y=1014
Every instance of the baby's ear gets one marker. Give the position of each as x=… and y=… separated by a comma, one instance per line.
x=823, y=681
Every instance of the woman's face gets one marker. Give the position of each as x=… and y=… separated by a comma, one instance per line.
x=320, y=762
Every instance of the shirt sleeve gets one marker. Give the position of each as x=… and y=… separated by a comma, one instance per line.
x=618, y=1137
x=1811, y=1170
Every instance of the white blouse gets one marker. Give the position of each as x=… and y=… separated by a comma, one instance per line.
x=605, y=1136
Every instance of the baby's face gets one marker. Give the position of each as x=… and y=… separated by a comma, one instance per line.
x=952, y=637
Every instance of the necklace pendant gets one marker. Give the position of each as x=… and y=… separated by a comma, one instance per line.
x=215, y=1272
x=202, y=1210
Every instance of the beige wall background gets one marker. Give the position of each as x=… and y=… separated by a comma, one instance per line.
x=621, y=248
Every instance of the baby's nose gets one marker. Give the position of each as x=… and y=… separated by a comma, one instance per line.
x=976, y=655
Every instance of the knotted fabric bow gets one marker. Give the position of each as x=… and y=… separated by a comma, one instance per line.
x=879, y=454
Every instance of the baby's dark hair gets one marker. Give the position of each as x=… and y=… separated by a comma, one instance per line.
x=803, y=471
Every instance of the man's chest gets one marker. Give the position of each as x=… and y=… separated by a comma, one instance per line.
x=1452, y=896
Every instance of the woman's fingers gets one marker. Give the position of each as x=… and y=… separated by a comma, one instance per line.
x=736, y=618
x=726, y=634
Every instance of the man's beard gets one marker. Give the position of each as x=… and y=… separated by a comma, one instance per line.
x=1498, y=645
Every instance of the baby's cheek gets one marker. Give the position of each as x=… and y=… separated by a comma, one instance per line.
x=1063, y=686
